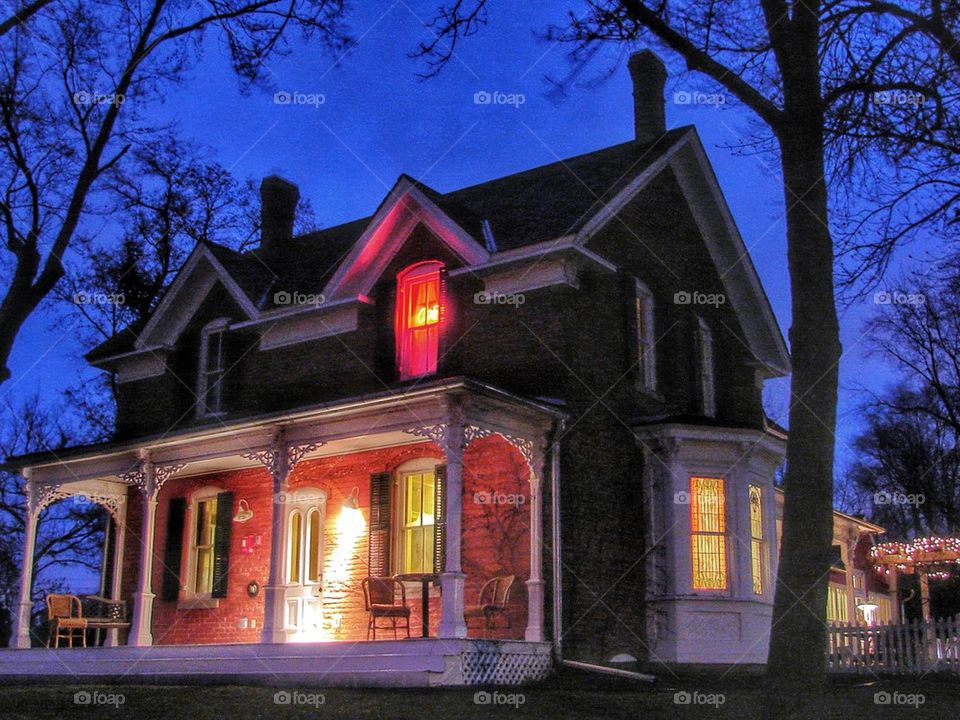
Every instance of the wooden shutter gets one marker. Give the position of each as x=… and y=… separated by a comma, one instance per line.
x=172, y=552
x=378, y=547
x=439, y=518
x=221, y=544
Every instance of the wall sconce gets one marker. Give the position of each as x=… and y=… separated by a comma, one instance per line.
x=352, y=501
x=244, y=512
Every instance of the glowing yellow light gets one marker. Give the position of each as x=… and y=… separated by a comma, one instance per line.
x=338, y=576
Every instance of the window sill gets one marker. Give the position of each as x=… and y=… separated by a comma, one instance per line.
x=198, y=603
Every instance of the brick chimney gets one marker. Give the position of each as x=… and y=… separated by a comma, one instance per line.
x=649, y=78
x=278, y=209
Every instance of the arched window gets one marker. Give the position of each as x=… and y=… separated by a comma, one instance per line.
x=419, y=314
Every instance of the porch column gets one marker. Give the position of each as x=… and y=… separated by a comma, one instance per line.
x=274, y=596
x=20, y=637
x=120, y=530
x=141, y=628
x=534, y=631
x=452, y=579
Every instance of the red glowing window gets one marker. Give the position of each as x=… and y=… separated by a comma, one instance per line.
x=418, y=319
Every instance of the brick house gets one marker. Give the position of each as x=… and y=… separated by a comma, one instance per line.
x=554, y=375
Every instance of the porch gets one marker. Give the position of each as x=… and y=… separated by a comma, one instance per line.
x=247, y=544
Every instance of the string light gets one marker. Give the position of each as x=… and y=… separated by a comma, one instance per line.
x=936, y=555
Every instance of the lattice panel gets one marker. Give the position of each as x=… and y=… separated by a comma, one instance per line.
x=493, y=665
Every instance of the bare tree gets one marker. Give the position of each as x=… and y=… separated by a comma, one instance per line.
x=75, y=79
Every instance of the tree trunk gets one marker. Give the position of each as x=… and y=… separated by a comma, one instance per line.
x=796, y=664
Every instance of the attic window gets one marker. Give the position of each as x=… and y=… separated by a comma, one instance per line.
x=211, y=368
x=418, y=318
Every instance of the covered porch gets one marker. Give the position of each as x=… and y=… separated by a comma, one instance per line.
x=260, y=533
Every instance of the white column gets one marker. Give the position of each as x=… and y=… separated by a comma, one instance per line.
x=534, y=631
x=120, y=530
x=274, y=594
x=452, y=579
x=141, y=634
x=20, y=637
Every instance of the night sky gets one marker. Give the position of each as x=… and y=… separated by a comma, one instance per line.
x=378, y=120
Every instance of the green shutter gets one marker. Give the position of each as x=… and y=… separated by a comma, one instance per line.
x=439, y=518
x=221, y=544
x=378, y=547
x=172, y=552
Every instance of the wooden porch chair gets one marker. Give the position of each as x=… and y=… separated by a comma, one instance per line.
x=380, y=595
x=493, y=600
x=65, y=617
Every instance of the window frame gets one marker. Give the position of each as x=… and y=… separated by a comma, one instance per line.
x=706, y=369
x=646, y=339
x=721, y=534
x=426, y=271
x=206, y=408
x=397, y=559
x=204, y=494
x=758, y=555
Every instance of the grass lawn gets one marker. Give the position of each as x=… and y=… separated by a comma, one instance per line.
x=569, y=695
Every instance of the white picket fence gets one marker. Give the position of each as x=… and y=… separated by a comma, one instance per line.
x=909, y=648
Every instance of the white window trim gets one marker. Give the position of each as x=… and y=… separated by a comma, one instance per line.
x=396, y=542
x=706, y=369
x=214, y=326
x=191, y=598
x=646, y=341
x=304, y=500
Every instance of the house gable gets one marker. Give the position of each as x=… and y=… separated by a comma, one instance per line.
x=406, y=206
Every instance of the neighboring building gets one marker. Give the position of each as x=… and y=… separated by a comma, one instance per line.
x=555, y=375
x=857, y=593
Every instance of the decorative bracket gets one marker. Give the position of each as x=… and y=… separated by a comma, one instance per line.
x=140, y=477
x=47, y=494
x=281, y=458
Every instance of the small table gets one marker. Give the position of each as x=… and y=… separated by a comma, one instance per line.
x=424, y=579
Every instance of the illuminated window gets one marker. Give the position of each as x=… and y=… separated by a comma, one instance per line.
x=708, y=528
x=416, y=540
x=837, y=610
x=756, y=539
x=418, y=318
x=646, y=359
x=203, y=544
x=294, y=547
x=708, y=402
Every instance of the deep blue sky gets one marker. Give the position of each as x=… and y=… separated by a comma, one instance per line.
x=378, y=120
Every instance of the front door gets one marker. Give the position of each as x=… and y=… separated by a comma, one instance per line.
x=306, y=510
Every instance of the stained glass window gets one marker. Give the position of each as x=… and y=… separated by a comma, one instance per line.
x=756, y=539
x=708, y=527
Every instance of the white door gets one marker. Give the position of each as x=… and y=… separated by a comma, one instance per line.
x=306, y=511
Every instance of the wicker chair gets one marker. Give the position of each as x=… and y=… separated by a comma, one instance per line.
x=493, y=600
x=380, y=600
x=65, y=617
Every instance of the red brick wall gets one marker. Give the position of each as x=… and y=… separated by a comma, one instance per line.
x=495, y=541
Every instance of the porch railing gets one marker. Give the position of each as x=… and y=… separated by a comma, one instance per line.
x=905, y=648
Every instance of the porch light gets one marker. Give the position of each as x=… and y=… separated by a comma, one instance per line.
x=244, y=512
x=352, y=501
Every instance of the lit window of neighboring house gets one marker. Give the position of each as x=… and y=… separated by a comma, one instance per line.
x=418, y=319
x=708, y=527
x=837, y=610
x=416, y=536
x=211, y=368
x=646, y=338
x=757, y=549
x=705, y=369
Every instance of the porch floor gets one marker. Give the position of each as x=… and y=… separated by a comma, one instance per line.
x=383, y=663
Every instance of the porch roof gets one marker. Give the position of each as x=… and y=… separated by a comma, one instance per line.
x=382, y=412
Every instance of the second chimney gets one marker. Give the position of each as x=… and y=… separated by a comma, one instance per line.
x=649, y=77
x=278, y=210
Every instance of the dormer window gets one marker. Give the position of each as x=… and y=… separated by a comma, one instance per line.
x=418, y=317
x=212, y=368
x=705, y=370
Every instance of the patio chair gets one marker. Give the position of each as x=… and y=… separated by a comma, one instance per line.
x=380, y=595
x=493, y=600
x=65, y=617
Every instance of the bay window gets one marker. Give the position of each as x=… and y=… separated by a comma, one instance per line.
x=708, y=527
x=757, y=547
